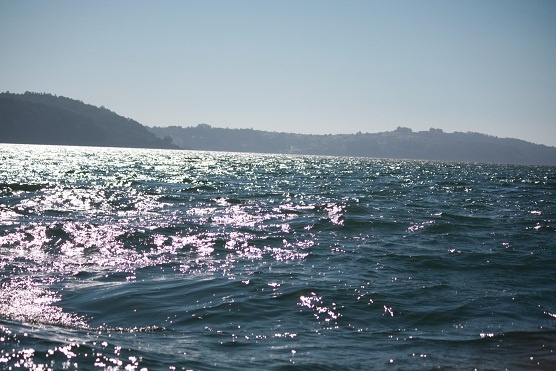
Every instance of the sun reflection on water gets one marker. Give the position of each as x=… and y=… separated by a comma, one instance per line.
x=115, y=242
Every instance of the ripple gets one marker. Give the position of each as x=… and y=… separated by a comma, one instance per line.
x=114, y=258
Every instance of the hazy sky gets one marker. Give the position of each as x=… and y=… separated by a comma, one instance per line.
x=297, y=66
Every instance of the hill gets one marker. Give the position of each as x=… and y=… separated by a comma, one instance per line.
x=402, y=143
x=48, y=119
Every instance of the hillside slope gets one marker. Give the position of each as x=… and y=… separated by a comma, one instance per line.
x=49, y=119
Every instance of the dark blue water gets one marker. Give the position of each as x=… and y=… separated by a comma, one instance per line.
x=130, y=259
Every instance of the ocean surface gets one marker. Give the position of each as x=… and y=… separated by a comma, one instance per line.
x=131, y=259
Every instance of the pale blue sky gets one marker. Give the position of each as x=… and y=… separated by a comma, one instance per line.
x=297, y=66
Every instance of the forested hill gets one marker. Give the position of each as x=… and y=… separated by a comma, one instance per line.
x=402, y=143
x=48, y=119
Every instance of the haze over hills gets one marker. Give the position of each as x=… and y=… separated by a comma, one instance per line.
x=48, y=119
x=402, y=143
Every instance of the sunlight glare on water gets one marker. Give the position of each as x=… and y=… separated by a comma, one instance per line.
x=130, y=258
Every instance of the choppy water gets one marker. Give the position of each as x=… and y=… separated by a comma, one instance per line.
x=130, y=259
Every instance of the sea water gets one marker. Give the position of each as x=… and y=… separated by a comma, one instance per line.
x=130, y=259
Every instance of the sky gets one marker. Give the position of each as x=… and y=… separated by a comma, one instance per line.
x=319, y=67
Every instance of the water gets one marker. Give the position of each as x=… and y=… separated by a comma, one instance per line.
x=155, y=259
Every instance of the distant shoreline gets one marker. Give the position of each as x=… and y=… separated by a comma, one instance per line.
x=402, y=143
x=39, y=118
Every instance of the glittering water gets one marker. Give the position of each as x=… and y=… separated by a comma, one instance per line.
x=129, y=259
